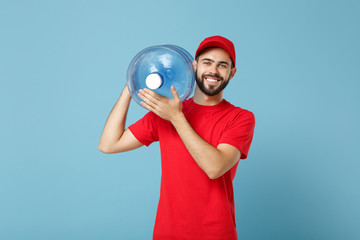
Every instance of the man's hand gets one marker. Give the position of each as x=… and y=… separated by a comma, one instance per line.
x=166, y=108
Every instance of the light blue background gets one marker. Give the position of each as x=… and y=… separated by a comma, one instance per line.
x=63, y=65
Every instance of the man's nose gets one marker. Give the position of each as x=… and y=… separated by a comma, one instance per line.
x=214, y=69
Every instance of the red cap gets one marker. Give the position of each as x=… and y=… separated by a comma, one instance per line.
x=218, y=41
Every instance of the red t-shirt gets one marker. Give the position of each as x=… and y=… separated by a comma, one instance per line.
x=191, y=205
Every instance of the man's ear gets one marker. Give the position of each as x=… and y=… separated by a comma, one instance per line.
x=194, y=64
x=232, y=72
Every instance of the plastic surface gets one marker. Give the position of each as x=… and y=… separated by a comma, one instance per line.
x=160, y=67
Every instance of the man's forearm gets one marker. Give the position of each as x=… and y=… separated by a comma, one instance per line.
x=213, y=161
x=115, y=124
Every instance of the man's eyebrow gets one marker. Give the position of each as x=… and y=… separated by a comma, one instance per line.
x=211, y=60
x=207, y=59
x=223, y=62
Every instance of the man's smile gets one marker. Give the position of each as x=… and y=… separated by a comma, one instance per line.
x=212, y=80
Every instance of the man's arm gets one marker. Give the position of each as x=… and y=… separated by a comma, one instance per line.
x=115, y=138
x=214, y=161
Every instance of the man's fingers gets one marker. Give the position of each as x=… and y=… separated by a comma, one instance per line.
x=153, y=94
x=148, y=97
x=148, y=107
x=175, y=93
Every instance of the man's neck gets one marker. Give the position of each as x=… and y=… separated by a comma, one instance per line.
x=203, y=99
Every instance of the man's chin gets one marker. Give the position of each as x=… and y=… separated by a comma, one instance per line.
x=211, y=92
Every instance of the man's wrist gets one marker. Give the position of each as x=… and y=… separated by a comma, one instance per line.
x=126, y=92
x=178, y=119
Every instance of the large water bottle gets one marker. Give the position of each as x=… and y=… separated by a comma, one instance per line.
x=160, y=67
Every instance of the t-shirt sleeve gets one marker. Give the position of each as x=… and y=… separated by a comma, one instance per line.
x=239, y=132
x=145, y=130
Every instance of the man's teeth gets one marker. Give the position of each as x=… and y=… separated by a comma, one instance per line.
x=211, y=80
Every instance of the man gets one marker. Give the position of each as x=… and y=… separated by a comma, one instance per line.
x=201, y=142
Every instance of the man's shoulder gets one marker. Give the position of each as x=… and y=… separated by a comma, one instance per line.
x=237, y=109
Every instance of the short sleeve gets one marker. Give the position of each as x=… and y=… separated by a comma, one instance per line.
x=239, y=132
x=145, y=130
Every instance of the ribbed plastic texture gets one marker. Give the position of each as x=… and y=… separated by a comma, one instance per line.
x=160, y=67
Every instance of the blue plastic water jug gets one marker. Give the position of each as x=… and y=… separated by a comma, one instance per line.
x=160, y=67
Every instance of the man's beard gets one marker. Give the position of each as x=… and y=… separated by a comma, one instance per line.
x=211, y=90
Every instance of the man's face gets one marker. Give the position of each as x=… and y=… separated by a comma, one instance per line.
x=213, y=70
